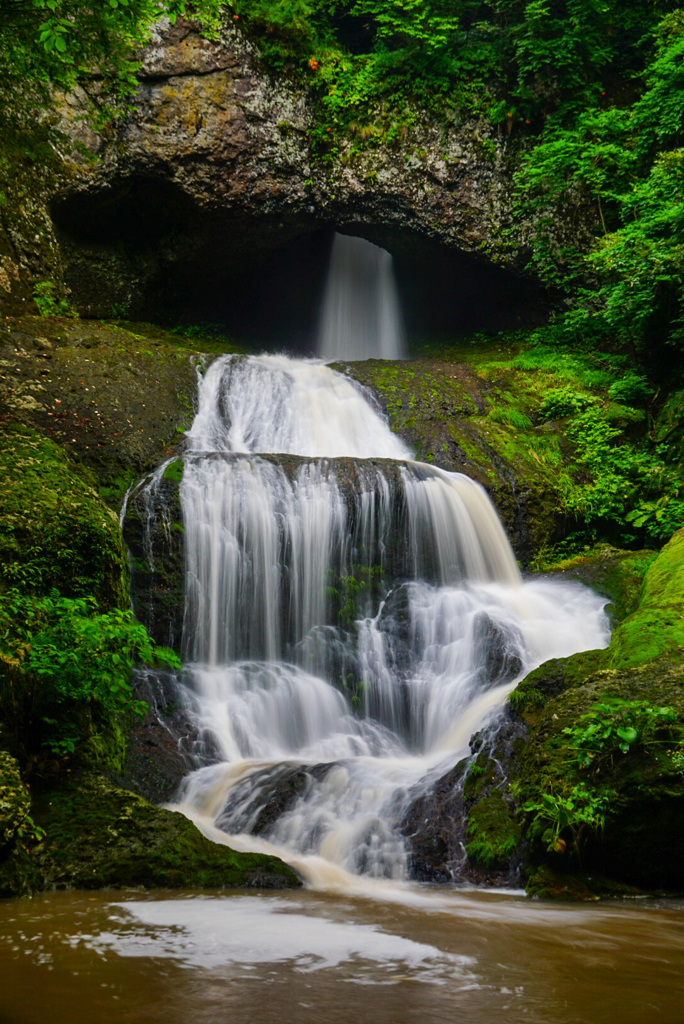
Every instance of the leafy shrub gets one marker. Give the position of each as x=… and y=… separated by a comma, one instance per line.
x=610, y=726
x=561, y=402
x=64, y=668
x=632, y=389
x=631, y=484
x=578, y=809
x=615, y=724
x=47, y=302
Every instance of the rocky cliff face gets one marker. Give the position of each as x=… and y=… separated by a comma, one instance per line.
x=213, y=171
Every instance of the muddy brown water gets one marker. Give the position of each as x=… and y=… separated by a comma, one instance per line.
x=406, y=955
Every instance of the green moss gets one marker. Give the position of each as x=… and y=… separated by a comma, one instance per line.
x=512, y=416
x=546, y=883
x=644, y=828
x=105, y=747
x=98, y=836
x=55, y=531
x=480, y=776
x=493, y=832
x=174, y=471
x=669, y=428
x=656, y=627
x=617, y=575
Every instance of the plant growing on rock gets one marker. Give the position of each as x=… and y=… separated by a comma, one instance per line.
x=65, y=670
x=610, y=727
x=614, y=724
x=577, y=809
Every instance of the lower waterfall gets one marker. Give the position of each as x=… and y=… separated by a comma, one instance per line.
x=352, y=617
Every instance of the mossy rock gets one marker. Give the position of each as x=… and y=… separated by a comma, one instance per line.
x=656, y=627
x=493, y=831
x=456, y=419
x=644, y=832
x=653, y=629
x=117, y=397
x=615, y=574
x=154, y=535
x=546, y=883
x=669, y=427
x=99, y=836
x=15, y=801
x=55, y=530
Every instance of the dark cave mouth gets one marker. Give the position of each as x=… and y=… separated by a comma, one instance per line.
x=142, y=250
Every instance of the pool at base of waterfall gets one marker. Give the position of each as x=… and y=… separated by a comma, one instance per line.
x=398, y=956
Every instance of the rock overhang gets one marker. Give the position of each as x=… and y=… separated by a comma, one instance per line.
x=209, y=204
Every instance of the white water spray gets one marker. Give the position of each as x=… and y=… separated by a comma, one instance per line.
x=350, y=620
x=361, y=316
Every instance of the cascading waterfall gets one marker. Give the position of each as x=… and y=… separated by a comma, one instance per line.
x=361, y=316
x=347, y=609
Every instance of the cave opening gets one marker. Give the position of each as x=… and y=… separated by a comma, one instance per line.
x=142, y=250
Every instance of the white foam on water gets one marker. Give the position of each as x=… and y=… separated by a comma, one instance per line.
x=376, y=707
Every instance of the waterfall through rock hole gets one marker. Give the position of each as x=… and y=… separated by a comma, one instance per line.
x=361, y=316
x=352, y=617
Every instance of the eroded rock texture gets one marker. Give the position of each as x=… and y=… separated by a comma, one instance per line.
x=207, y=193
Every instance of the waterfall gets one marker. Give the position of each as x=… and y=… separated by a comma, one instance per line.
x=352, y=616
x=361, y=316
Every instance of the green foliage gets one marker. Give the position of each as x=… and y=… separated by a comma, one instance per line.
x=493, y=832
x=46, y=301
x=561, y=402
x=55, y=531
x=371, y=61
x=677, y=757
x=64, y=667
x=630, y=483
x=343, y=592
x=615, y=724
x=620, y=167
x=578, y=809
x=509, y=414
x=632, y=389
x=574, y=808
x=55, y=43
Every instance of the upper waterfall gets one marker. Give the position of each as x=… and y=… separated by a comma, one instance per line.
x=277, y=404
x=361, y=316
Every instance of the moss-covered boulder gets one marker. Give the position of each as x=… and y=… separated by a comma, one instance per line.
x=458, y=419
x=611, y=572
x=55, y=530
x=634, y=783
x=656, y=627
x=15, y=801
x=99, y=836
x=116, y=397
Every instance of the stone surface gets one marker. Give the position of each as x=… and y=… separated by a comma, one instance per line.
x=213, y=167
x=99, y=836
x=641, y=842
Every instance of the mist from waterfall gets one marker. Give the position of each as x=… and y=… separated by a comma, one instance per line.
x=361, y=315
x=348, y=610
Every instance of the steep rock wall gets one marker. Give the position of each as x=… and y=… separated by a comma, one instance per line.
x=213, y=167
